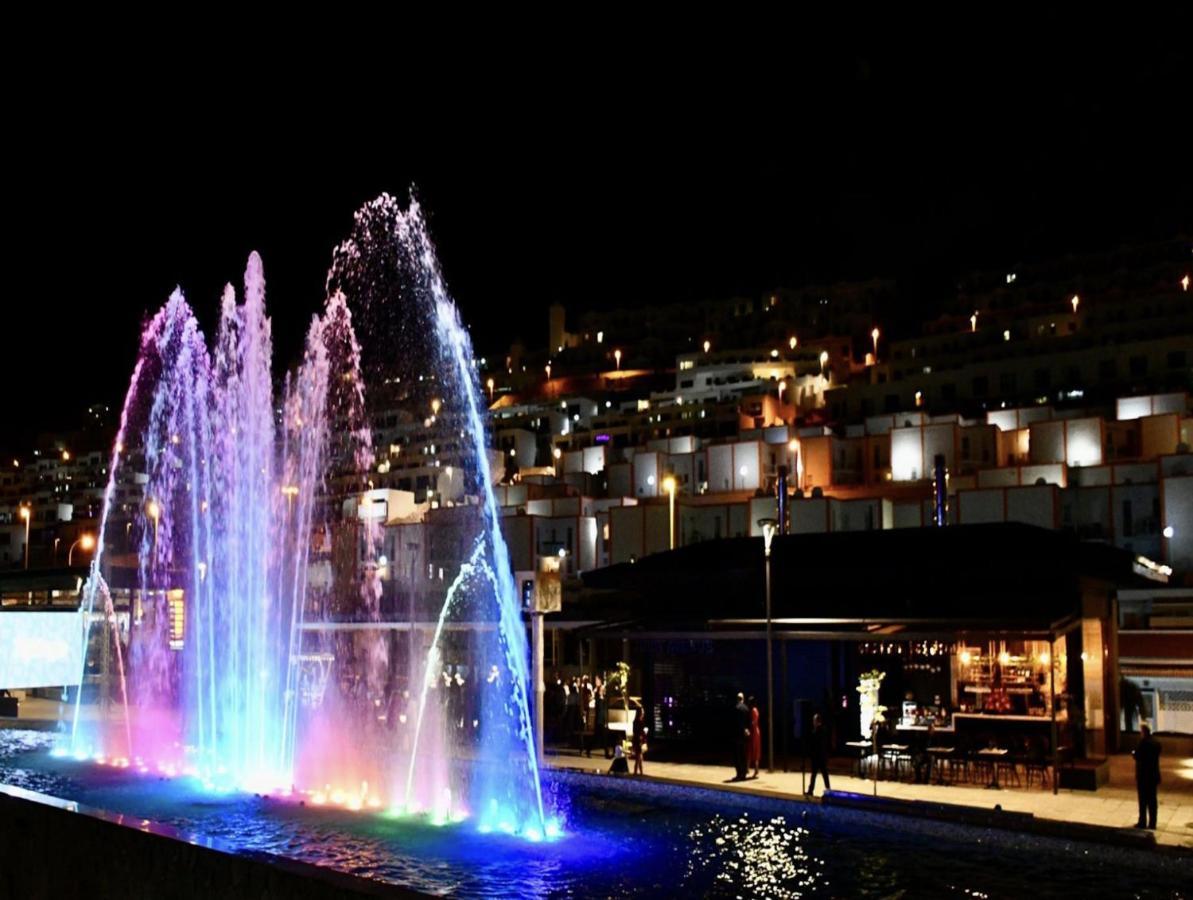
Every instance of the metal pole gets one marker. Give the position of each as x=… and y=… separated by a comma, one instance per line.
x=1052, y=704
x=672, y=517
x=770, y=678
x=536, y=631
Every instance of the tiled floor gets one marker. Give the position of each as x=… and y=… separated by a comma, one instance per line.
x=1114, y=805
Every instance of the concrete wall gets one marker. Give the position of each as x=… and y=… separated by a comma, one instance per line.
x=1176, y=500
x=50, y=851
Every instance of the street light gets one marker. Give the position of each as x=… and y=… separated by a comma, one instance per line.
x=291, y=491
x=489, y=384
x=793, y=342
x=26, y=514
x=669, y=487
x=973, y=321
x=708, y=344
x=617, y=357
x=874, y=338
x=87, y=541
x=824, y=360
x=769, y=527
x=154, y=511
x=1075, y=301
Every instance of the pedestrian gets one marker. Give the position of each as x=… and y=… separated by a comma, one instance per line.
x=1147, y=777
x=602, y=715
x=755, y=754
x=741, y=737
x=818, y=745
x=638, y=744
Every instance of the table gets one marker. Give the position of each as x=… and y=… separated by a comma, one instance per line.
x=995, y=755
x=938, y=755
x=861, y=747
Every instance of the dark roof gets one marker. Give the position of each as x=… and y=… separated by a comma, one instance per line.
x=62, y=578
x=1018, y=576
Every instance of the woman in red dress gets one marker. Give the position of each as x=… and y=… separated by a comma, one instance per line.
x=755, y=750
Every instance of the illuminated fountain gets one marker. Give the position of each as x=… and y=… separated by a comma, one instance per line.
x=245, y=622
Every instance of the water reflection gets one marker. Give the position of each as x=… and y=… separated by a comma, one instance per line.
x=767, y=858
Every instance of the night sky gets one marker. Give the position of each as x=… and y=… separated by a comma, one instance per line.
x=618, y=183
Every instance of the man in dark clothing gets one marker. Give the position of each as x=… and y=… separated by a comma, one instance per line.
x=818, y=753
x=1147, y=777
x=741, y=740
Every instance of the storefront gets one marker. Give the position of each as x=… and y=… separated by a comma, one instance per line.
x=996, y=634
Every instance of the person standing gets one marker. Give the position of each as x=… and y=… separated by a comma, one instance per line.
x=1147, y=777
x=755, y=755
x=638, y=744
x=741, y=737
x=818, y=753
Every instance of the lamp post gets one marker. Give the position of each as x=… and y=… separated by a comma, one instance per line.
x=88, y=542
x=26, y=515
x=874, y=337
x=617, y=357
x=669, y=487
x=154, y=512
x=769, y=527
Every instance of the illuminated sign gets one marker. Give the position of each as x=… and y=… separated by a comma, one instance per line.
x=40, y=649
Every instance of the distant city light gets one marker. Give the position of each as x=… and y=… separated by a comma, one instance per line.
x=708, y=344
x=1185, y=283
x=973, y=321
x=1011, y=277
x=793, y=342
x=600, y=337
x=1006, y=335
x=1075, y=301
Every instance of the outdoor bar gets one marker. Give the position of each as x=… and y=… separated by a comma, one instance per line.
x=989, y=644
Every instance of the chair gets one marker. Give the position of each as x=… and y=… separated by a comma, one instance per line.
x=1035, y=765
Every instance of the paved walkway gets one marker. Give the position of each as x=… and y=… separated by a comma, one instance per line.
x=1114, y=805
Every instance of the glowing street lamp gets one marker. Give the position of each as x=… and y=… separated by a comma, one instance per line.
x=708, y=344
x=973, y=321
x=824, y=360
x=793, y=342
x=26, y=514
x=154, y=511
x=874, y=338
x=1185, y=283
x=1075, y=301
x=617, y=357
x=489, y=385
x=436, y=404
x=548, y=368
x=769, y=528
x=669, y=487
x=86, y=541
x=290, y=491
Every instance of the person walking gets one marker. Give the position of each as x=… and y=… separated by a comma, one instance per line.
x=818, y=753
x=741, y=737
x=755, y=755
x=1147, y=777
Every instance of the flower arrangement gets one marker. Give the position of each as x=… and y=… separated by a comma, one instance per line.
x=873, y=713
